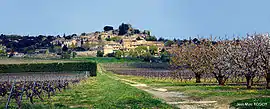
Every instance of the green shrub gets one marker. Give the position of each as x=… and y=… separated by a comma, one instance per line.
x=49, y=67
x=100, y=53
x=65, y=56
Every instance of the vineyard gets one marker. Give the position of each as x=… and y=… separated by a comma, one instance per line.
x=185, y=75
x=21, y=87
x=24, y=87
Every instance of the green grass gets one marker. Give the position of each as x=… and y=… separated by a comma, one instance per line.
x=222, y=94
x=156, y=82
x=101, y=92
x=107, y=59
x=212, y=91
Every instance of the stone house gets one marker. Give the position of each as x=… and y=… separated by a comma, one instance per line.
x=110, y=47
x=129, y=44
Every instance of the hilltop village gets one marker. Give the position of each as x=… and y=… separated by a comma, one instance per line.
x=110, y=40
x=125, y=41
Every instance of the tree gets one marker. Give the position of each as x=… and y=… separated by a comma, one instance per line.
x=146, y=56
x=68, y=37
x=47, y=52
x=164, y=57
x=65, y=55
x=138, y=38
x=161, y=39
x=136, y=31
x=132, y=53
x=174, y=40
x=246, y=55
x=87, y=45
x=73, y=54
x=99, y=37
x=65, y=48
x=147, y=32
x=72, y=46
x=140, y=50
x=73, y=35
x=116, y=39
x=153, y=50
x=196, y=41
x=83, y=34
x=2, y=49
x=100, y=53
x=118, y=54
x=79, y=49
x=108, y=28
x=151, y=38
x=193, y=56
x=265, y=56
x=57, y=49
x=221, y=61
x=11, y=53
x=168, y=43
x=108, y=39
x=124, y=28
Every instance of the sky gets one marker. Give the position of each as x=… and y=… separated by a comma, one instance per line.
x=164, y=18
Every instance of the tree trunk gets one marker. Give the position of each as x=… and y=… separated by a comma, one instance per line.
x=198, y=78
x=252, y=81
x=268, y=80
x=249, y=81
x=221, y=80
x=268, y=83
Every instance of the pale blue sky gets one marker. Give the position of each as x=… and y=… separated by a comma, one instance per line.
x=165, y=18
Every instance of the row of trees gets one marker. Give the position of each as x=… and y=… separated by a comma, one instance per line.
x=25, y=44
x=28, y=44
x=248, y=57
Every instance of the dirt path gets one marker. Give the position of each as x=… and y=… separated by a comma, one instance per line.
x=174, y=98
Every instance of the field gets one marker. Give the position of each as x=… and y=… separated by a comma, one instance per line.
x=163, y=71
x=70, y=89
x=134, y=84
x=208, y=90
x=99, y=92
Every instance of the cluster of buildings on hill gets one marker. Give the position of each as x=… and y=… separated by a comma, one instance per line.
x=124, y=39
x=100, y=41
